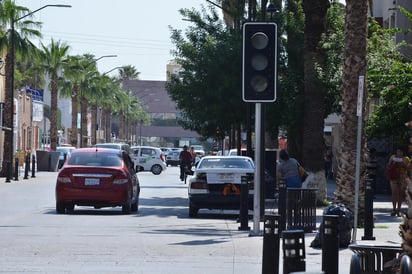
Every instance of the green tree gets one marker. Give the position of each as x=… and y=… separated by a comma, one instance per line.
x=208, y=91
x=389, y=75
x=52, y=60
x=20, y=32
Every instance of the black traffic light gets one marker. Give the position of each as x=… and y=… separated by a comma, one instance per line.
x=259, y=62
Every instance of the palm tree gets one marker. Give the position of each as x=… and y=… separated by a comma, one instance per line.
x=355, y=65
x=101, y=90
x=18, y=31
x=52, y=61
x=70, y=89
x=314, y=108
x=128, y=72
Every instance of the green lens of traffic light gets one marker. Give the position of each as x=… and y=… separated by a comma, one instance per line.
x=259, y=40
x=259, y=62
x=259, y=83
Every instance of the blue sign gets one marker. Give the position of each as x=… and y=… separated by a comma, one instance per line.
x=37, y=94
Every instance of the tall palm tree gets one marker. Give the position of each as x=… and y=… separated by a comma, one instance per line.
x=72, y=75
x=52, y=60
x=355, y=65
x=101, y=90
x=18, y=31
x=315, y=93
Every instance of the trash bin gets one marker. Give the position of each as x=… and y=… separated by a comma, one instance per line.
x=42, y=160
x=47, y=160
x=301, y=209
x=345, y=225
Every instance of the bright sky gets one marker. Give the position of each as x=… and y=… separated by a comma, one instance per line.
x=135, y=30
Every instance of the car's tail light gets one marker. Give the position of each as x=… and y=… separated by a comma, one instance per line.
x=64, y=178
x=121, y=179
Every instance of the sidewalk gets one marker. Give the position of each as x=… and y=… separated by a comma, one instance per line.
x=386, y=232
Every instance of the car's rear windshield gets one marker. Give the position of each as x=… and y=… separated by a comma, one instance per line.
x=95, y=159
x=226, y=163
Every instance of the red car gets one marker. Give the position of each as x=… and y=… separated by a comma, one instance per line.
x=98, y=177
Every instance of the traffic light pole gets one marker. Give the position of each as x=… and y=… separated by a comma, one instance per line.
x=258, y=164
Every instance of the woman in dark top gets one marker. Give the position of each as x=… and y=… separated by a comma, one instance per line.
x=288, y=170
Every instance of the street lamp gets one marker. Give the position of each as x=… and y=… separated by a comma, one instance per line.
x=11, y=90
x=107, y=72
x=81, y=95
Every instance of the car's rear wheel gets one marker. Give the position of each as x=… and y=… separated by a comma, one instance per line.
x=156, y=169
x=135, y=205
x=193, y=211
x=127, y=206
x=70, y=207
x=60, y=208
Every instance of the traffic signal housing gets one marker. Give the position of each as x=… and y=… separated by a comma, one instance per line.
x=259, y=62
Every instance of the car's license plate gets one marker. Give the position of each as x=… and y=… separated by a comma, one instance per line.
x=223, y=178
x=91, y=181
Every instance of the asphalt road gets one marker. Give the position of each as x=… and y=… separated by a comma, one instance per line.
x=160, y=238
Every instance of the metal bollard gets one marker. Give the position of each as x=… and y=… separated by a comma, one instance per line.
x=330, y=244
x=355, y=265
x=293, y=251
x=9, y=170
x=33, y=166
x=405, y=265
x=16, y=169
x=271, y=241
x=26, y=167
x=282, y=205
x=244, y=203
x=49, y=162
x=368, y=217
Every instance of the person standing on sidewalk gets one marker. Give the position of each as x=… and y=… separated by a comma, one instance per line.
x=398, y=183
x=288, y=170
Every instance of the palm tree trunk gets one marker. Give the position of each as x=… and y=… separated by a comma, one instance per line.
x=53, y=110
x=93, y=124
x=8, y=148
x=314, y=106
x=121, y=126
x=75, y=107
x=355, y=65
x=83, y=131
x=108, y=124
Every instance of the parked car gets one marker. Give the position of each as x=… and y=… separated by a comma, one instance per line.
x=149, y=159
x=172, y=158
x=64, y=154
x=165, y=150
x=216, y=183
x=199, y=150
x=97, y=177
x=121, y=146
